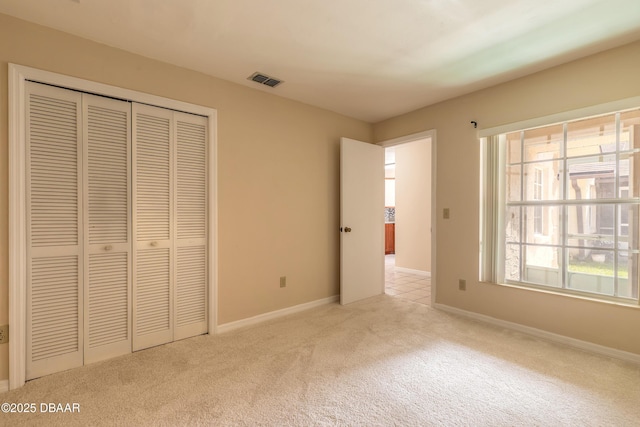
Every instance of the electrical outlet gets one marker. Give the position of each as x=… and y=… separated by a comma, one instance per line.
x=4, y=334
x=283, y=281
x=462, y=284
x=446, y=213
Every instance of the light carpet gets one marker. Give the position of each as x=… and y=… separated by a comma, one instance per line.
x=380, y=362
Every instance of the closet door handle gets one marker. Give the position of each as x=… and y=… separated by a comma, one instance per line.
x=154, y=243
x=108, y=248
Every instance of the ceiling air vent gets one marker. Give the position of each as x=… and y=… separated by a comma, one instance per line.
x=263, y=79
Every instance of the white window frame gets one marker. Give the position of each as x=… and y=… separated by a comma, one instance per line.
x=18, y=76
x=492, y=242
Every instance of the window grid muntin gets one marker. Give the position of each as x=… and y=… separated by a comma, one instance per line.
x=616, y=217
x=563, y=204
x=564, y=216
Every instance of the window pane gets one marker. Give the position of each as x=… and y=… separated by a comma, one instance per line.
x=543, y=143
x=512, y=262
x=628, y=245
x=541, y=181
x=628, y=225
x=538, y=217
x=541, y=265
x=591, y=136
x=513, y=233
x=630, y=130
x=592, y=178
x=627, y=275
x=590, y=226
x=593, y=274
x=542, y=224
x=630, y=175
x=513, y=183
x=514, y=148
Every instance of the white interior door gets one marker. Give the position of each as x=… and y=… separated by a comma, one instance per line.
x=361, y=220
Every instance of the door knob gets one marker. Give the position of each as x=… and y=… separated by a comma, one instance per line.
x=108, y=248
x=154, y=243
x=347, y=229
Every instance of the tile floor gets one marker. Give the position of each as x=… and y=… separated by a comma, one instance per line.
x=406, y=285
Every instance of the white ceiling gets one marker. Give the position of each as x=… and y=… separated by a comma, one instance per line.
x=368, y=59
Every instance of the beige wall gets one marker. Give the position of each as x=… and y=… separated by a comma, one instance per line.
x=413, y=205
x=278, y=170
x=605, y=77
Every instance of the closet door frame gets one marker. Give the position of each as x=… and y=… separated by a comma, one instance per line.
x=18, y=76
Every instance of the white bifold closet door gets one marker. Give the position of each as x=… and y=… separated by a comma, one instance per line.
x=107, y=248
x=78, y=228
x=54, y=230
x=191, y=212
x=116, y=227
x=170, y=211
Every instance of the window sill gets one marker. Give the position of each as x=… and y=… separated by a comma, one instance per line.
x=533, y=288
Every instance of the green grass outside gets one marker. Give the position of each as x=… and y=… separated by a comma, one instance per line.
x=596, y=268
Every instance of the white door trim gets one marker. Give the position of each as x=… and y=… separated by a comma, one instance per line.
x=18, y=75
x=431, y=134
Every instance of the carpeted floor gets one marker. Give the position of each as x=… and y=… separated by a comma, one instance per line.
x=381, y=362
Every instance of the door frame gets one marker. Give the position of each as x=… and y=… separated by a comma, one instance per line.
x=18, y=76
x=428, y=134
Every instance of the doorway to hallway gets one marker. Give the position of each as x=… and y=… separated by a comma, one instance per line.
x=409, y=201
x=408, y=286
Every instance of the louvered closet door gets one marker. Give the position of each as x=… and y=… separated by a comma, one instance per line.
x=54, y=232
x=153, y=275
x=191, y=226
x=107, y=295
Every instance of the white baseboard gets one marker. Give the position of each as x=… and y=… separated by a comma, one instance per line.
x=412, y=271
x=226, y=327
x=4, y=386
x=549, y=336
